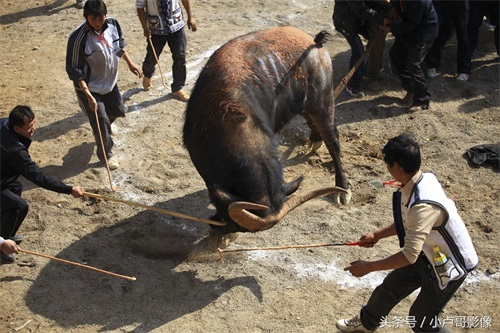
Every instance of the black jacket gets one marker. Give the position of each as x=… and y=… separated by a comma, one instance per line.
x=417, y=23
x=349, y=16
x=15, y=161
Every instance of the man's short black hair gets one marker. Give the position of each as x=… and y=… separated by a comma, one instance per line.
x=19, y=115
x=94, y=8
x=404, y=151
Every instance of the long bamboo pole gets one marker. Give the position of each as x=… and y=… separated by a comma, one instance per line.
x=286, y=247
x=79, y=265
x=104, y=150
x=159, y=210
x=347, y=77
x=157, y=62
x=220, y=251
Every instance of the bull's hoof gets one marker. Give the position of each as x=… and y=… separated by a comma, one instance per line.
x=225, y=240
x=314, y=146
x=342, y=198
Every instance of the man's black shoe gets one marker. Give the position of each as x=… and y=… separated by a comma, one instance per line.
x=6, y=258
x=17, y=238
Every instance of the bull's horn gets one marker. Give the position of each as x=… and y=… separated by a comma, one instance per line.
x=239, y=213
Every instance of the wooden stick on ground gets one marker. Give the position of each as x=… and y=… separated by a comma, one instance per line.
x=79, y=265
x=159, y=210
x=157, y=62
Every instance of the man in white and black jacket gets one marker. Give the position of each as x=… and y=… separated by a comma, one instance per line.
x=423, y=218
x=92, y=62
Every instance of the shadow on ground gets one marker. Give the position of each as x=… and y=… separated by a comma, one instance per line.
x=148, y=246
x=74, y=163
x=45, y=10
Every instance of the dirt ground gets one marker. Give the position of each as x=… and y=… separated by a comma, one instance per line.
x=182, y=285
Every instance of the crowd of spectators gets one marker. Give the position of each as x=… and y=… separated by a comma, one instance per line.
x=421, y=29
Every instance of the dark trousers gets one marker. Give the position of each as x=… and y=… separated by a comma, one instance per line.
x=177, y=44
x=459, y=17
x=406, y=61
x=357, y=49
x=13, y=211
x=110, y=107
x=400, y=283
x=479, y=9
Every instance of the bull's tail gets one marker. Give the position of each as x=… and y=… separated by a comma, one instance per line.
x=322, y=37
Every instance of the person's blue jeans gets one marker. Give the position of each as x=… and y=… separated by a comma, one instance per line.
x=177, y=44
x=357, y=49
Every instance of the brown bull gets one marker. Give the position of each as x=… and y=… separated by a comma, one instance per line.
x=248, y=90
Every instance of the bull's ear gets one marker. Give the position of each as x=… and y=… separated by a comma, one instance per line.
x=233, y=113
x=293, y=186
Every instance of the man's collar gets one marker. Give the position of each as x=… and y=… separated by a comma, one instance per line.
x=104, y=26
x=408, y=188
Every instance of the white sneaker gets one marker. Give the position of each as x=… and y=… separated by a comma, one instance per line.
x=431, y=73
x=462, y=77
x=113, y=164
x=352, y=325
x=354, y=91
x=80, y=3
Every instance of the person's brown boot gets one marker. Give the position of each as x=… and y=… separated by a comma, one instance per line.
x=146, y=83
x=182, y=95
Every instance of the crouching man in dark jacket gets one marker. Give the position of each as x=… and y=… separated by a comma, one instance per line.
x=15, y=139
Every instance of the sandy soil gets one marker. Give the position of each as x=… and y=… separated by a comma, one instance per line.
x=182, y=285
